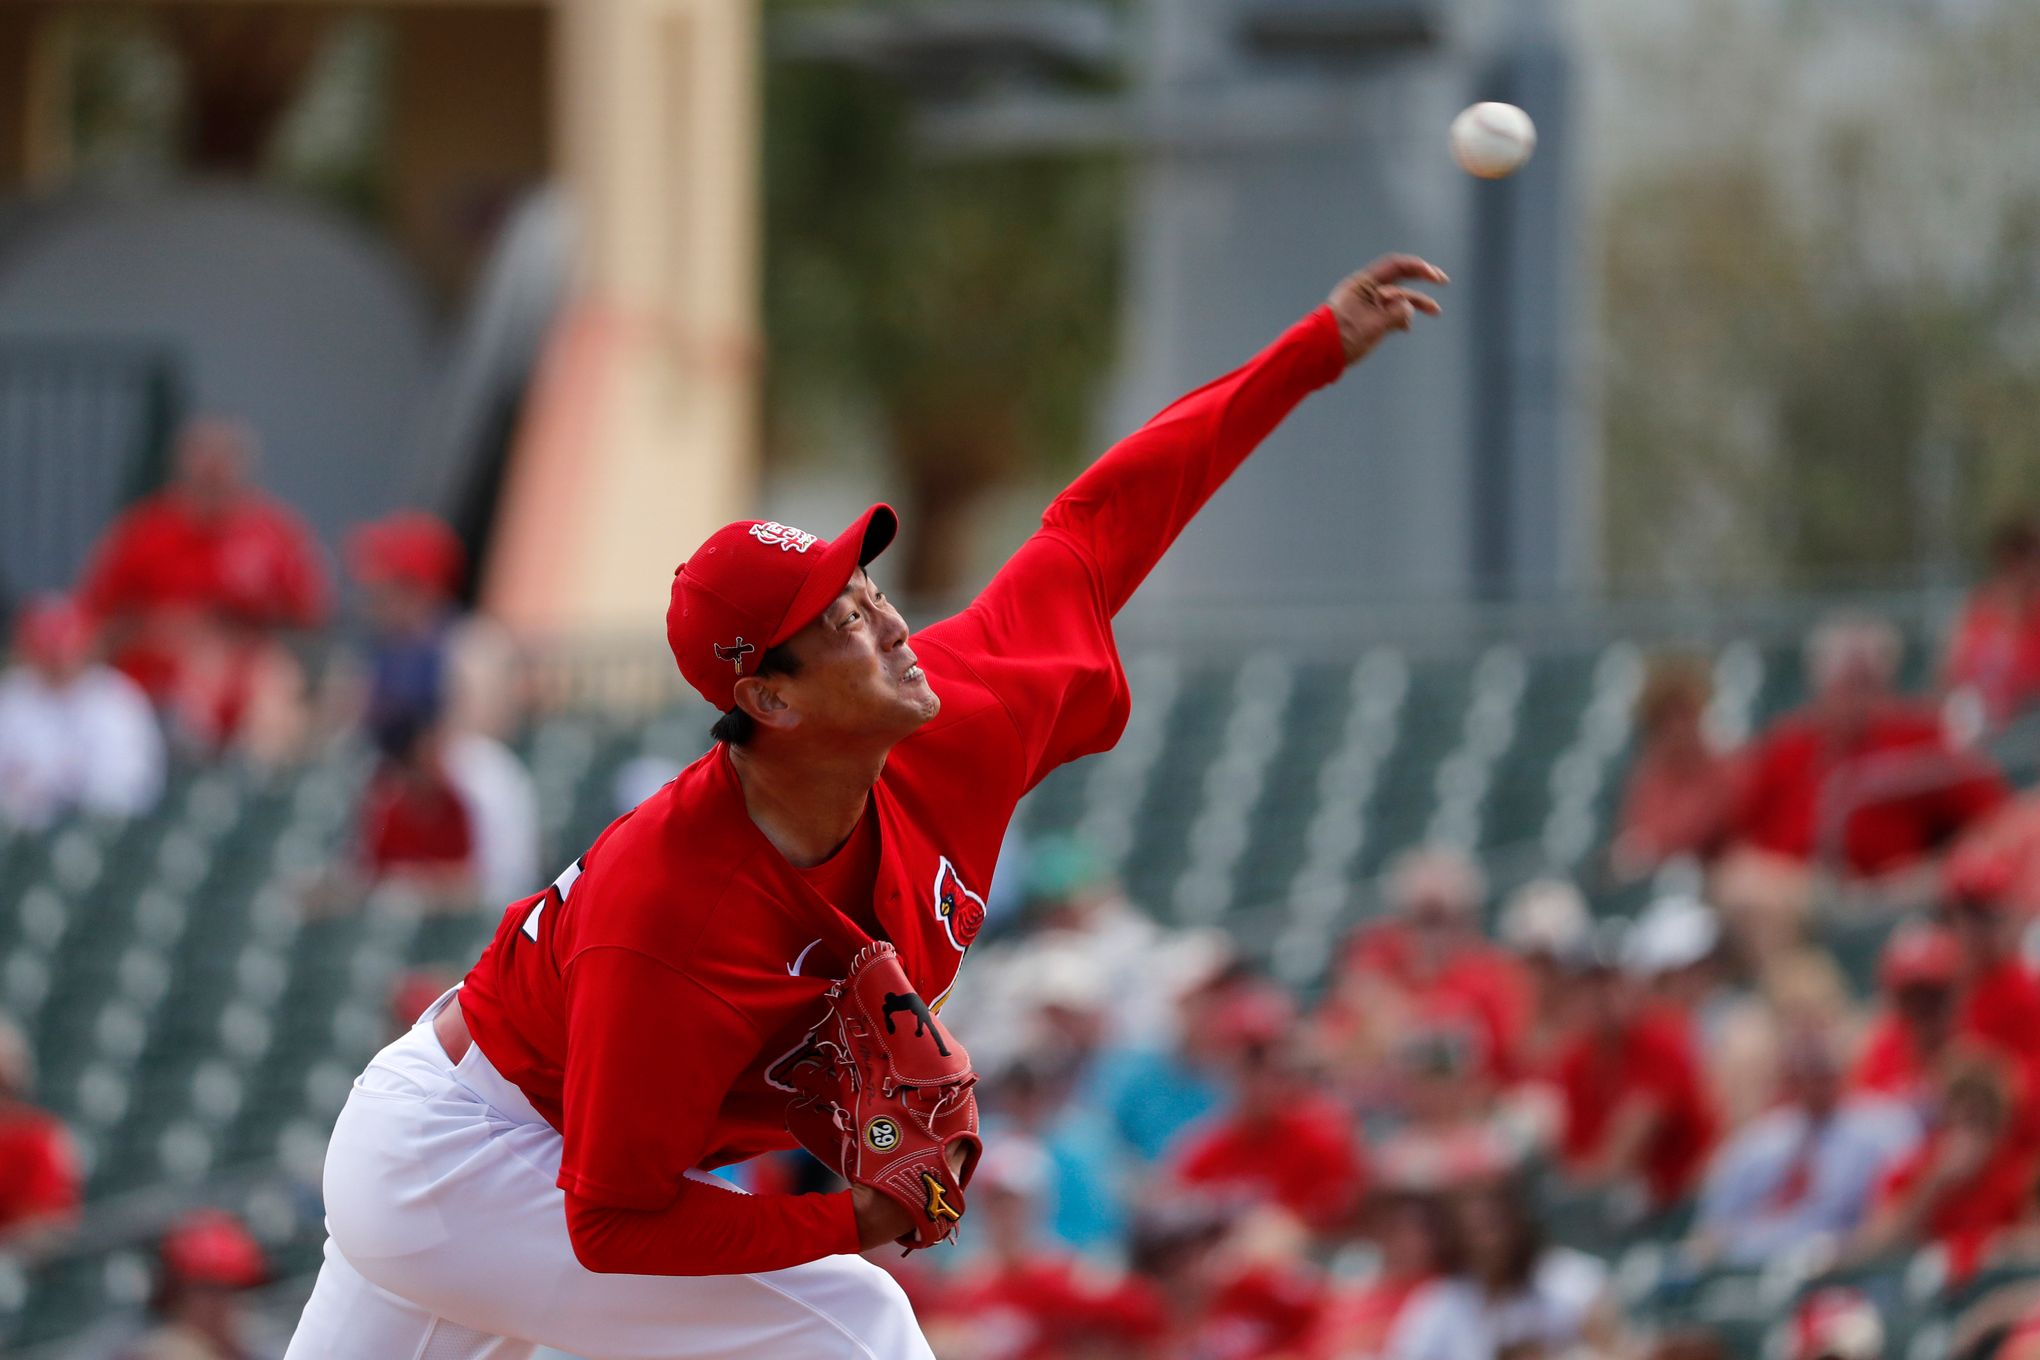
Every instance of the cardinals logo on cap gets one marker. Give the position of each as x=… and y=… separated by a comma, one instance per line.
x=783, y=536
x=961, y=911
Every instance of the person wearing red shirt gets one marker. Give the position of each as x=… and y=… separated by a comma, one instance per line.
x=1970, y=1180
x=1681, y=794
x=1220, y=1299
x=1859, y=778
x=531, y=1161
x=1431, y=953
x=414, y=824
x=1994, y=649
x=205, y=1266
x=40, y=1180
x=194, y=582
x=1919, y=1025
x=1635, y=1095
x=2001, y=996
x=1020, y=1302
x=1281, y=1144
x=1413, y=1230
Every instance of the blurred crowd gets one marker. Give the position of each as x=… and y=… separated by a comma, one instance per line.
x=198, y=628
x=1185, y=1159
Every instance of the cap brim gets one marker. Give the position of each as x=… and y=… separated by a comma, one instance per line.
x=858, y=545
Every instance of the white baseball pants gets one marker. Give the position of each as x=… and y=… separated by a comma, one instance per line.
x=447, y=1240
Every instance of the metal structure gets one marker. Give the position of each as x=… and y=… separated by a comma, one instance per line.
x=1274, y=145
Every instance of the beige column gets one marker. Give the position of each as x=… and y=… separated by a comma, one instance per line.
x=640, y=436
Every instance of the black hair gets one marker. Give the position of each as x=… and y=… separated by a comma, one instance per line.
x=736, y=727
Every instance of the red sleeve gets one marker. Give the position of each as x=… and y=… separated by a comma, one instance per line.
x=302, y=588
x=1126, y=509
x=1040, y=635
x=1883, y=1065
x=1757, y=814
x=51, y=1187
x=650, y=1056
x=1980, y=792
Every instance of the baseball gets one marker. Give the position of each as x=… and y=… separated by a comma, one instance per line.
x=1493, y=140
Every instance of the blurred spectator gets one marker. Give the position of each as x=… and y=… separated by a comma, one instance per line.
x=1017, y=1300
x=1804, y=1173
x=206, y=1264
x=1446, y=1122
x=2010, y=836
x=1155, y=1092
x=1968, y=1181
x=1836, y=1324
x=1860, y=776
x=40, y=1179
x=1073, y=901
x=414, y=827
x=1671, y=950
x=1693, y=1343
x=428, y=667
x=1544, y=923
x=1636, y=1106
x=1431, y=959
x=1514, y=1294
x=2001, y=997
x=1916, y=1030
x=1315, y=1173
x=1802, y=990
x=1228, y=1289
x=1085, y=1196
x=1413, y=1233
x=74, y=734
x=1682, y=791
x=195, y=582
x=409, y=565
x=1994, y=650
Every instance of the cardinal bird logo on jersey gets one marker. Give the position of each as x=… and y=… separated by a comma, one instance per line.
x=962, y=911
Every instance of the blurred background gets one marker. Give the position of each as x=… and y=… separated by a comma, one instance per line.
x=1568, y=885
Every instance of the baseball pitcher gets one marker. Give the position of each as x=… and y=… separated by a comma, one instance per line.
x=758, y=954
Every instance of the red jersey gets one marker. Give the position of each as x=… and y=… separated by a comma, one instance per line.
x=1482, y=984
x=406, y=821
x=1967, y=1215
x=1653, y=1060
x=1995, y=650
x=1909, y=792
x=256, y=564
x=639, y=1001
x=1318, y=1174
x=39, y=1175
x=1359, y=1319
x=1050, y=1308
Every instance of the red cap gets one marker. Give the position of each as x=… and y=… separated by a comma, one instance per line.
x=408, y=546
x=1920, y=954
x=1979, y=875
x=208, y=1246
x=755, y=584
x=1837, y=1324
x=1254, y=1015
x=53, y=632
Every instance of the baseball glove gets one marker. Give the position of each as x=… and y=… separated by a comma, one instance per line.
x=882, y=1091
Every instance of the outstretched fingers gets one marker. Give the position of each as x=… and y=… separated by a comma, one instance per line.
x=1402, y=269
x=1423, y=302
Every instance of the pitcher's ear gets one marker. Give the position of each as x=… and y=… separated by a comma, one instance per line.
x=759, y=696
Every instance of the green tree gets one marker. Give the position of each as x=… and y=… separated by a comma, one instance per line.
x=963, y=310
x=1821, y=249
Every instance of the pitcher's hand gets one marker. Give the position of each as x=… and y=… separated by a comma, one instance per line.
x=1371, y=303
